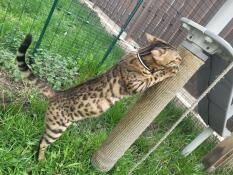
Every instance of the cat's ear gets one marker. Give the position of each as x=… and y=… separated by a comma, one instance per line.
x=150, y=38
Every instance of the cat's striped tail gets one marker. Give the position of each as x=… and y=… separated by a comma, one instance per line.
x=26, y=72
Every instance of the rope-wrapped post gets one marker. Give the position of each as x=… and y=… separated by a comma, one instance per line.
x=144, y=111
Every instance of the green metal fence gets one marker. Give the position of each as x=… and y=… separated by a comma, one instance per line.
x=68, y=28
x=64, y=31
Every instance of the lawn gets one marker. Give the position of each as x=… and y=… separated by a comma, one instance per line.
x=70, y=52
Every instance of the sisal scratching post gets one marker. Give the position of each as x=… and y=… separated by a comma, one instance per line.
x=140, y=116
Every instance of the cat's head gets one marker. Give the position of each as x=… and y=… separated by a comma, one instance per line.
x=166, y=55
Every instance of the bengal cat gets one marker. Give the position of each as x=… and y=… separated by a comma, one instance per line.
x=135, y=72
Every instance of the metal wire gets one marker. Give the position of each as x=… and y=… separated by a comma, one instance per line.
x=36, y=16
x=20, y=17
x=38, y=43
x=121, y=31
x=75, y=38
x=5, y=15
x=58, y=25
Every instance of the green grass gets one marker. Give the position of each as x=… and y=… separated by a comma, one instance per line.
x=21, y=130
x=71, y=49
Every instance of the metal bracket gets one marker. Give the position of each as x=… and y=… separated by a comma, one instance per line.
x=202, y=42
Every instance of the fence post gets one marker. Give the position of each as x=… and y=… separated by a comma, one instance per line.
x=139, y=2
x=38, y=43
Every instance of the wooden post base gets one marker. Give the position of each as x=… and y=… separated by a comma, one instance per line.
x=220, y=155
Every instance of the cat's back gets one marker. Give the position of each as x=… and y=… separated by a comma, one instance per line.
x=89, y=88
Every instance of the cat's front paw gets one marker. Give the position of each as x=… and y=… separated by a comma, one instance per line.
x=174, y=71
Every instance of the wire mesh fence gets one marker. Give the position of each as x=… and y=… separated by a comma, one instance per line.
x=72, y=35
x=19, y=17
x=73, y=31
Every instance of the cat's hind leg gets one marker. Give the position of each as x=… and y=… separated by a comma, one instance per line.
x=55, y=125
